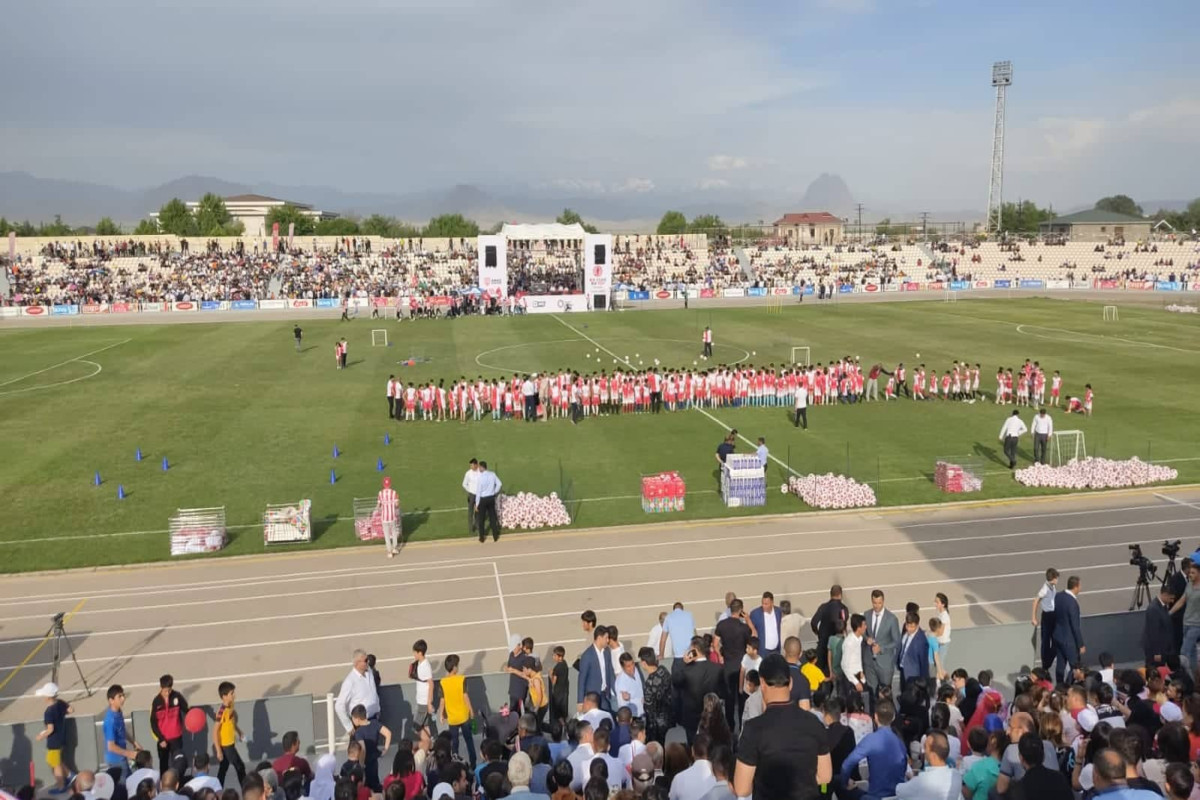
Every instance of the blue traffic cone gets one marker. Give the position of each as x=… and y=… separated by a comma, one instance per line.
x=379, y=465
x=165, y=465
x=96, y=479
x=387, y=439
x=332, y=476
x=120, y=491
x=336, y=452
x=138, y=455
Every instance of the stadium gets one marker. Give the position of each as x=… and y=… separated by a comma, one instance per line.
x=762, y=460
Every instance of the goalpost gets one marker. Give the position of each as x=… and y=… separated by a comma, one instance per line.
x=1068, y=446
x=804, y=353
x=951, y=296
x=379, y=337
x=1111, y=314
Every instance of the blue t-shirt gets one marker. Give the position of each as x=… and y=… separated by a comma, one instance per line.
x=56, y=715
x=114, y=731
x=680, y=626
x=934, y=645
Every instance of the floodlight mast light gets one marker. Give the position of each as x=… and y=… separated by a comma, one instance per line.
x=1001, y=80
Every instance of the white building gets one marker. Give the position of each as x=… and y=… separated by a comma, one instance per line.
x=252, y=209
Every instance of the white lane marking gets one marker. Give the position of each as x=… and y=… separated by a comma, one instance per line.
x=64, y=363
x=1176, y=501
x=743, y=438
x=39, y=387
x=503, y=610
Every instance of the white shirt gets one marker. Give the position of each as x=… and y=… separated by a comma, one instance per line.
x=633, y=685
x=471, y=481
x=944, y=636
x=770, y=633
x=424, y=676
x=614, y=656
x=203, y=782
x=763, y=454
x=1013, y=426
x=630, y=751
x=801, y=396
x=933, y=783
x=1045, y=598
x=357, y=689
x=852, y=656
x=139, y=775
x=618, y=778
x=655, y=636
x=754, y=707
x=580, y=756
x=694, y=782
x=527, y=389
x=595, y=716
x=1042, y=423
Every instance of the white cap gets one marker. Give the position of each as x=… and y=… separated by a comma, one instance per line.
x=49, y=689
x=443, y=790
x=513, y=642
x=102, y=789
x=1170, y=712
x=1087, y=720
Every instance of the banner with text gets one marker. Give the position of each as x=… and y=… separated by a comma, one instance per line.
x=555, y=303
x=493, y=265
x=597, y=264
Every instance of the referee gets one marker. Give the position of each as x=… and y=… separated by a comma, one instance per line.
x=486, y=490
x=470, y=485
x=1012, y=430
x=1043, y=429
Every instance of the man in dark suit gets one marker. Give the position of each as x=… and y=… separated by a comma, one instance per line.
x=1039, y=781
x=882, y=641
x=765, y=620
x=912, y=658
x=1068, y=633
x=1158, y=637
x=596, y=670
x=823, y=621
x=695, y=678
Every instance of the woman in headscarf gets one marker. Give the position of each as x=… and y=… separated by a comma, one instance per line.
x=323, y=783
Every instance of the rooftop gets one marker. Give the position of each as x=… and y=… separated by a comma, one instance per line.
x=813, y=218
x=1094, y=216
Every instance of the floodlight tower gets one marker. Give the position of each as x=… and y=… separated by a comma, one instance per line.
x=1001, y=79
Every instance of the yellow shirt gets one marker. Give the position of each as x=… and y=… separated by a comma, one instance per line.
x=227, y=727
x=814, y=675
x=455, y=699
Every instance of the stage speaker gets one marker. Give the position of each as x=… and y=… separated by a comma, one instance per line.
x=599, y=301
x=601, y=256
x=489, y=255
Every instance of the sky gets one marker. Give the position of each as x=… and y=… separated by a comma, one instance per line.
x=619, y=97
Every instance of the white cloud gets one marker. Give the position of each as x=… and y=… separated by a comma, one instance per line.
x=720, y=163
x=712, y=183
x=635, y=186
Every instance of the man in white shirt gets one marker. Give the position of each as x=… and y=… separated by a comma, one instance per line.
x=201, y=779
x=637, y=743
x=1043, y=614
x=762, y=452
x=656, y=632
x=629, y=686
x=529, y=393
x=618, y=778
x=423, y=706
x=937, y=781
x=141, y=772
x=801, y=404
x=358, y=688
x=852, y=647
x=1012, y=429
x=1043, y=429
x=695, y=781
x=581, y=755
x=592, y=714
x=470, y=485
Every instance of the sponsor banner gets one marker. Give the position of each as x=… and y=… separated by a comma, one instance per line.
x=555, y=303
x=910, y=286
x=244, y=305
x=154, y=308
x=781, y=290
x=597, y=263
x=272, y=304
x=1081, y=284
x=1058, y=284
x=301, y=303
x=439, y=300
x=871, y=288
x=891, y=287
x=185, y=305
x=328, y=302
x=94, y=308
x=63, y=310
x=634, y=294
x=959, y=286
x=10, y=311
x=492, y=273
x=1106, y=283
x=123, y=308
x=845, y=288
x=935, y=285
x=210, y=305
x=756, y=291
x=1196, y=287
x=1141, y=285
x=982, y=285
x=1032, y=283
x=34, y=311
x=275, y=237
x=733, y=292
x=359, y=302
x=662, y=294
x=1002, y=283
x=291, y=233
x=383, y=302
x=1166, y=286
x=707, y=293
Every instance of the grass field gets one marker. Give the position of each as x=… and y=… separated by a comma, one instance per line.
x=245, y=420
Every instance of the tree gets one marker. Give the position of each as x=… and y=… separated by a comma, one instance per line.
x=450, y=226
x=672, y=222
x=106, y=227
x=147, y=227
x=288, y=214
x=339, y=226
x=1119, y=204
x=388, y=228
x=212, y=218
x=6, y=226
x=1024, y=217
x=571, y=217
x=708, y=223
x=176, y=218
x=56, y=228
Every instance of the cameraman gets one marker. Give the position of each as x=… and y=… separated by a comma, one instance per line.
x=1158, y=635
x=1190, y=603
x=1177, y=583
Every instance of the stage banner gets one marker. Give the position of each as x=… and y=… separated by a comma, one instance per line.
x=1002, y=283
x=555, y=303
x=1032, y=283
x=597, y=265
x=493, y=264
x=274, y=237
x=272, y=304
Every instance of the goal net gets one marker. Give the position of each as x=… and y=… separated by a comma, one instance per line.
x=801, y=355
x=1067, y=446
x=379, y=338
x=1111, y=314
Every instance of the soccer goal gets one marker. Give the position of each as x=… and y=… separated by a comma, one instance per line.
x=379, y=338
x=1067, y=446
x=1111, y=314
x=802, y=355
x=951, y=296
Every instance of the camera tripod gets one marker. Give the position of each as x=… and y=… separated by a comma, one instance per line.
x=58, y=637
x=1141, y=590
x=1169, y=572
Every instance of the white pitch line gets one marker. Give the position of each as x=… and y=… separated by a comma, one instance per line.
x=64, y=363
x=503, y=610
x=1176, y=501
x=593, y=341
x=743, y=438
x=41, y=386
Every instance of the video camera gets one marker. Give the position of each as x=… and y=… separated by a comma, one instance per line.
x=1170, y=549
x=1145, y=565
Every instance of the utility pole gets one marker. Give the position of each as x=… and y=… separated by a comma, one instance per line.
x=925, y=225
x=860, y=210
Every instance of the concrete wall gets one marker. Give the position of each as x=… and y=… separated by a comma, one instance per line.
x=1131, y=232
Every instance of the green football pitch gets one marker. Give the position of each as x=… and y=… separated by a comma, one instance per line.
x=245, y=421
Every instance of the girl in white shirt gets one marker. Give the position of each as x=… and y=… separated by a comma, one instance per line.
x=942, y=604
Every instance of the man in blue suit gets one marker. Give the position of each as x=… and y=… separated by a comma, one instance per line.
x=596, y=671
x=912, y=658
x=1068, y=634
x=765, y=621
